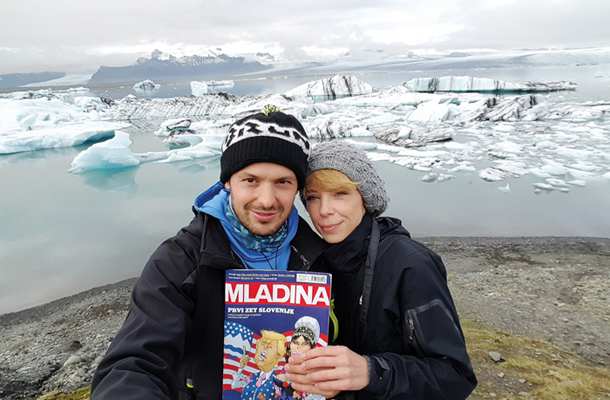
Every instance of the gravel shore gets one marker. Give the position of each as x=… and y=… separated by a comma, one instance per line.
x=556, y=289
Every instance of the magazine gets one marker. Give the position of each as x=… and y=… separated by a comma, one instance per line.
x=270, y=315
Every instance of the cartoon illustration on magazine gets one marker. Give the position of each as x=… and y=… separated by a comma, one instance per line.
x=270, y=349
x=305, y=336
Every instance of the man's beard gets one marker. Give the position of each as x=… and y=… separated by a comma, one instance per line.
x=257, y=227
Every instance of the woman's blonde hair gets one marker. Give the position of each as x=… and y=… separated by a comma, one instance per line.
x=327, y=180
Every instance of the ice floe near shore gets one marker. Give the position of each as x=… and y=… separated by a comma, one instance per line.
x=44, y=121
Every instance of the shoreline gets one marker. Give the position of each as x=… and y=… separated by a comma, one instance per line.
x=550, y=288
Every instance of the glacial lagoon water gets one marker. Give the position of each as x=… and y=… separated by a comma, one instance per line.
x=62, y=233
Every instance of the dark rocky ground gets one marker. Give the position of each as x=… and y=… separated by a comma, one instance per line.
x=556, y=289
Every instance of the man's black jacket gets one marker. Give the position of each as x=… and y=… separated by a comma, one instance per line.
x=173, y=334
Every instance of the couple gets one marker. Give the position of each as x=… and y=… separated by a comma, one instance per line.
x=398, y=333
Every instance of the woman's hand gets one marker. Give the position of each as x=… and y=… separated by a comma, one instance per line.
x=327, y=371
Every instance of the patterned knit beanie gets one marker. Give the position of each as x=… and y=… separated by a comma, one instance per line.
x=269, y=136
x=353, y=162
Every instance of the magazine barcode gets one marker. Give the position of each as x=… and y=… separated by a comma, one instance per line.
x=310, y=278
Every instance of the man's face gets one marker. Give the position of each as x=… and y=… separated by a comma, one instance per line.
x=267, y=354
x=263, y=196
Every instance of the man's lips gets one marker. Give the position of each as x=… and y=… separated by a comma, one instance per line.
x=264, y=216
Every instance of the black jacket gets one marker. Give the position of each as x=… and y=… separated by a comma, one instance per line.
x=412, y=336
x=173, y=334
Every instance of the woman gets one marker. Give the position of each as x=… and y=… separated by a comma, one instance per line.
x=399, y=334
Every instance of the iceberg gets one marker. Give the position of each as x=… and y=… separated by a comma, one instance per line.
x=115, y=153
x=496, y=138
x=331, y=88
x=45, y=120
x=412, y=136
x=131, y=107
x=482, y=85
x=146, y=85
x=65, y=135
x=199, y=88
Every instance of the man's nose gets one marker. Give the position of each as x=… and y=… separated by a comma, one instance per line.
x=266, y=195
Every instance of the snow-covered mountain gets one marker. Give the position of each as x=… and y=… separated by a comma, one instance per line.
x=16, y=80
x=165, y=67
x=218, y=65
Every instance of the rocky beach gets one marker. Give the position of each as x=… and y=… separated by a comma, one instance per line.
x=555, y=289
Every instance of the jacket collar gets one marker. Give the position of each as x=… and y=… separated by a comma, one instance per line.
x=216, y=251
x=348, y=255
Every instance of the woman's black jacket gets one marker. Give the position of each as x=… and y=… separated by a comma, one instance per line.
x=412, y=335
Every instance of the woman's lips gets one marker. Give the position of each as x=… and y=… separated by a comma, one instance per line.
x=329, y=228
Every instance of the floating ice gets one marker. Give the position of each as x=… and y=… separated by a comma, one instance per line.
x=503, y=170
x=431, y=177
x=504, y=189
x=331, y=88
x=64, y=135
x=146, y=85
x=549, y=187
x=496, y=138
x=199, y=88
x=472, y=84
x=115, y=153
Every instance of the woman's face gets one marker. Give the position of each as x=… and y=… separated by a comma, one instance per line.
x=299, y=345
x=335, y=214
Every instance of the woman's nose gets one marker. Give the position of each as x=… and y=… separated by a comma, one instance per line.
x=326, y=207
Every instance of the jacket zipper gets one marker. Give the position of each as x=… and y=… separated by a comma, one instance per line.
x=413, y=333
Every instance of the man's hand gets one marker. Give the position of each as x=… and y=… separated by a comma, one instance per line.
x=327, y=371
x=244, y=359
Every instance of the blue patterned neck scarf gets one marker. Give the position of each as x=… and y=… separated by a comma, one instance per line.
x=255, y=242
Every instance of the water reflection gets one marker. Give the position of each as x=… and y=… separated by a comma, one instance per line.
x=115, y=180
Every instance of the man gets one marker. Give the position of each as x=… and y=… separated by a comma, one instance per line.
x=171, y=344
x=270, y=349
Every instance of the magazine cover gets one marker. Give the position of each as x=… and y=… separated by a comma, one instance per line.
x=270, y=315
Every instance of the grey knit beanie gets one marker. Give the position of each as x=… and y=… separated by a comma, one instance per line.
x=353, y=162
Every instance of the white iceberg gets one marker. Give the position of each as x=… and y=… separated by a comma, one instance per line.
x=202, y=87
x=331, y=88
x=482, y=85
x=115, y=153
x=146, y=85
x=64, y=135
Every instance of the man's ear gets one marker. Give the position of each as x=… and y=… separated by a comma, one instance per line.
x=228, y=185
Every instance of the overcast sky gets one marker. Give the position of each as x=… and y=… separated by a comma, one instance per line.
x=64, y=35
